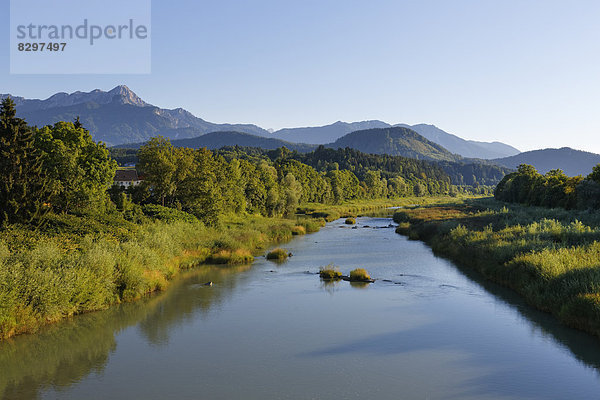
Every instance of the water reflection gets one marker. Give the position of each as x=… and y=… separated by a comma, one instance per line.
x=585, y=347
x=62, y=354
x=66, y=353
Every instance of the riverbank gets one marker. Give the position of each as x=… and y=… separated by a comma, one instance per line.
x=77, y=265
x=80, y=264
x=549, y=256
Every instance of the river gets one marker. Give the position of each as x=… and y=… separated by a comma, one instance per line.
x=423, y=330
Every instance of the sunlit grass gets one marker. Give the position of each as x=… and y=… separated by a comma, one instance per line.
x=550, y=256
x=359, y=275
x=277, y=254
x=330, y=272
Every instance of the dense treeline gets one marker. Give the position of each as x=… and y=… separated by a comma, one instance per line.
x=475, y=177
x=553, y=189
x=56, y=168
x=474, y=174
x=60, y=169
x=274, y=183
x=436, y=177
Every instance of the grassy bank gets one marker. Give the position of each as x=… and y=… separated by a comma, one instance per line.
x=352, y=209
x=550, y=256
x=76, y=265
x=79, y=264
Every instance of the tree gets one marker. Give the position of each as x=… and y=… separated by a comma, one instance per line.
x=157, y=164
x=292, y=190
x=79, y=170
x=595, y=175
x=23, y=186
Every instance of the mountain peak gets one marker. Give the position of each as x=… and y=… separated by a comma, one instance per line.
x=122, y=94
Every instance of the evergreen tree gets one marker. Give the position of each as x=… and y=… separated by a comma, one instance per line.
x=22, y=181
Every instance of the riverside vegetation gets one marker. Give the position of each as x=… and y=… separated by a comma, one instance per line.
x=71, y=243
x=550, y=256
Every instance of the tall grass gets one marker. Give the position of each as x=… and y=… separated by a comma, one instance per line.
x=359, y=275
x=551, y=257
x=80, y=265
x=277, y=254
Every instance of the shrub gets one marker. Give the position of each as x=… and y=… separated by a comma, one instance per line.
x=239, y=256
x=311, y=225
x=359, y=275
x=350, y=221
x=277, y=254
x=298, y=230
x=330, y=272
x=167, y=214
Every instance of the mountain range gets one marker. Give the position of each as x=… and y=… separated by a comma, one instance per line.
x=216, y=140
x=572, y=162
x=120, y=116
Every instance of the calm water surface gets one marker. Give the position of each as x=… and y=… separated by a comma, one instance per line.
x=275, y=331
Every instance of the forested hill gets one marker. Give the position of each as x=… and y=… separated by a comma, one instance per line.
x=325, y=159
x=572, y=162
x=216, y=140
x=398, y=141
x=458, y=145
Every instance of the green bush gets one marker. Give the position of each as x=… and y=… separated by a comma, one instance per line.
x=167, y=214
x=350, y=221
x=298, y=230
x=277, y=254
x=330, y=272
x=359, y=275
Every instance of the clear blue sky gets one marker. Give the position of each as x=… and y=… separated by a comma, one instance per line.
x=523, y=72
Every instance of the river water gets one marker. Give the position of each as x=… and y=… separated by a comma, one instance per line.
x=423, y=330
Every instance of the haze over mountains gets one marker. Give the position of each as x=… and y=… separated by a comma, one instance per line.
x=572, y=162
x=396, y=141
x=120, y=116
x=216, y=140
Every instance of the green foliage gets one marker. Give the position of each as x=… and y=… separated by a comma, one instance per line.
x=167, y=214
x=79, y=263
x=79, y=170
x=359, y=275
x=330, y=272
x=277, y=254
x=158, y=164
x=350, y=221
x=554, y=189
x=24, y=191
x=299, y=230
x=550, y=256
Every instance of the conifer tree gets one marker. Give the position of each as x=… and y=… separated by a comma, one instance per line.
x=22, y=181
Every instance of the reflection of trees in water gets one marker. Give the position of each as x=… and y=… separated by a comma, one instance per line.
x=62, y=354
x=583, y=346
x=181, y=303
x=65, y=353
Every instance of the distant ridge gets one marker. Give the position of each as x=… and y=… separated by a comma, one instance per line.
x=120, y=116
x=572, y=162
x=217, y=140
x=466, y=148
x=395, y=141
x=330, y=133
x=326, y=134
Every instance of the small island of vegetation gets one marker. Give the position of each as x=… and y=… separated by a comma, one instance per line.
x=278, y=254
